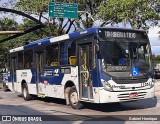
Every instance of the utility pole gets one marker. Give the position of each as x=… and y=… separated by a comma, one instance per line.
x=11, y=32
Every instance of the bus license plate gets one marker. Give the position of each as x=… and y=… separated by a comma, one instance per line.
x=133, y=95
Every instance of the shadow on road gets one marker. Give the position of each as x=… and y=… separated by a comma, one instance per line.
x=69, y=116
x=24, y=113
x=48, y=100
x=125, y=106
x=112, y=107
x=109, y=107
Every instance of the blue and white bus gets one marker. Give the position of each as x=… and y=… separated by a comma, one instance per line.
x=97, y=65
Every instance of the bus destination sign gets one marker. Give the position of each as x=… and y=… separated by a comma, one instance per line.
x=125, y=34
x=120, y=34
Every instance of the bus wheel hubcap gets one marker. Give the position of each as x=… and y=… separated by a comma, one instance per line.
x=74, y=98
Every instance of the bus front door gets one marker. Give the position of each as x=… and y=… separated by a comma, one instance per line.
x=39, y=69
x=13, y=71
x=85, y=70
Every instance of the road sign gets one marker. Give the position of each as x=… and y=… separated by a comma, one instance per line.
x=63, y=10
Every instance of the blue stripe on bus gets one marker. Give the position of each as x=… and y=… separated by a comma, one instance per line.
x=92, y=30
x=77, y=34
x=74, y=35
x=101, y=75
x=99, y=66
x=30, y=45
x=33, y=80
x=95, y=81
x=43, y=41
x=46, y=41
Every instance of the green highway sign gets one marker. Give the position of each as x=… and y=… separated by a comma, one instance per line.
x=63, y=10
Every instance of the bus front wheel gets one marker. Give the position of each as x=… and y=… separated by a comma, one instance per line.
x=73, y=99
x=26, y=94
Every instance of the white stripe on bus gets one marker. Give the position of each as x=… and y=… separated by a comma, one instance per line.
x=59, y=38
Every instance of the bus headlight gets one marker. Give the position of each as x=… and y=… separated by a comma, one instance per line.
x=106, y=85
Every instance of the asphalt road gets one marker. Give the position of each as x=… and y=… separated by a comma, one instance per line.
x=13, y=104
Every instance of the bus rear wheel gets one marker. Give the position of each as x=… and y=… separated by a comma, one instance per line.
x=25, y=92
x=5, y=88
x=73, y=99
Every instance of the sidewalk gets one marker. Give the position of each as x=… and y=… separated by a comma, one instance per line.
x=157, y=86
x=1, y=85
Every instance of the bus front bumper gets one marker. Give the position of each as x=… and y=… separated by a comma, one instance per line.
x=110, y=97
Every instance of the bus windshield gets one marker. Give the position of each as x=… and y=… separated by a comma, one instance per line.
x=119, y=56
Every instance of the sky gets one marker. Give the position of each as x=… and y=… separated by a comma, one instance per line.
x=154, y=40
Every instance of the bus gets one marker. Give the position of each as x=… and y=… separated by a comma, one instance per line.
x=96, y=65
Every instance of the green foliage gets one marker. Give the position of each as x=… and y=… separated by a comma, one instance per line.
x=156, y=59
x=135, y=12
x=6, y=24
x=61, y=26
x=33, y=6
x=11, y=25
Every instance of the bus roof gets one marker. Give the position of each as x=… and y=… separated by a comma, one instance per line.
x=73, y=35
x=51, y=39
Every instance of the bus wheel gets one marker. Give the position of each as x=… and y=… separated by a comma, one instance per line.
x=5, y=88
x=73, y=99
x=26, y=95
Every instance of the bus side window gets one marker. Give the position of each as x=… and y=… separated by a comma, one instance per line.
x=64, y=53
x=72, y=60
x=52, y=55
x=20, y=64
x=28, y=57
x=72, y=53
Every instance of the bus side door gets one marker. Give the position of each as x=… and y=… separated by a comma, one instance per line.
x=13, y=71
x=39, y=61
x=85, y=71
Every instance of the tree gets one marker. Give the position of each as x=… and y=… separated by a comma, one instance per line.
x=7, y=24
x=138, y=13
x=61, y=26
x=156, y=59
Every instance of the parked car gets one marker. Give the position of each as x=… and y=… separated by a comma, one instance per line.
x=3, y=81
x=157, y=73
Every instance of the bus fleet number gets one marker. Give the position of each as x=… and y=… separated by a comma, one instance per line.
x=146, y=84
